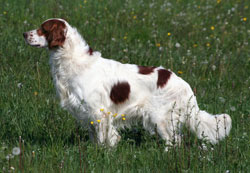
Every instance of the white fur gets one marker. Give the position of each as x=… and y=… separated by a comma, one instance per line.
x=83, y=83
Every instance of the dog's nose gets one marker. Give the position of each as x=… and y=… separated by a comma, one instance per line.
x=25, y=35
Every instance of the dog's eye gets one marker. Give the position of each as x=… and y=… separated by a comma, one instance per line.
x=44, y=31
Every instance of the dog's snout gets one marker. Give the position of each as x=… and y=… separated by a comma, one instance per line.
x=25, y=35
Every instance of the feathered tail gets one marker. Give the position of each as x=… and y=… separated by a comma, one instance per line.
x=210, y=127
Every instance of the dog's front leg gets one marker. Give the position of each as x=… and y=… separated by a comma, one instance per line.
x=102, y=129
x=103, y=132
x=106, y=132
x=113, y=136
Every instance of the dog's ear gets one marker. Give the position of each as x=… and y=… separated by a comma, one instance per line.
x=57, y=35
x=55, y=32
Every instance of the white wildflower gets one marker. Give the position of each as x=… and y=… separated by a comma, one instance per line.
x=4, y=148
x=177, y=45
x=222, y=99
x=169, y=4
x=204, y=146
x=9, y=156
x=19, y=85
x=233, y=108
x=204, y=62
x=213, y=67
x=16, y=151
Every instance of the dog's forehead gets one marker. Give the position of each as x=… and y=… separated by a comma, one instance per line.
x=54, y=21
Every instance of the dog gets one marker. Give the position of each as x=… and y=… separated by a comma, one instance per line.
x=105, y=95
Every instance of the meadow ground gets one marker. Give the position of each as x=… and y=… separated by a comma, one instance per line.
x=205, y=42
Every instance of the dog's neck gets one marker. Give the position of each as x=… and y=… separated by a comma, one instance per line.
x=74, y=46
x=75, y=51
x=73, y=58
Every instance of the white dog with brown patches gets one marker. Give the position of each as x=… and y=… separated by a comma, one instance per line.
x=104, y=94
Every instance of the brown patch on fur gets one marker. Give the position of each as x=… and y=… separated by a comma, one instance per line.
x=53, y=30
x=90, y=51
x=120, y=92
x=163, y=77
x=145, y=70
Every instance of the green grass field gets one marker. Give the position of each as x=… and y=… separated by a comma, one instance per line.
x=204, y=42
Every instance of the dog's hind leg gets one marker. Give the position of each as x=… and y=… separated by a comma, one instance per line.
x=168, y=129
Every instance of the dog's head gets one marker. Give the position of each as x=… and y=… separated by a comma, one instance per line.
x=51, y=34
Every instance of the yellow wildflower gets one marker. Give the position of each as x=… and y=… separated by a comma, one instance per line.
x=169, y=33
x=195, y=45
x=123, y=119
x=108, y=113
x=208, y=44
x=158, y=44
x=35, y=93
x=180, y=72
x=218, y=1
x=92, y=122
x=101, y=109
x=115, y=115
x=244, y=19
x=125, y=37
x=4, y=12
x=98, y=121
x=134, y=17
x=123, y=115
x=212, y=28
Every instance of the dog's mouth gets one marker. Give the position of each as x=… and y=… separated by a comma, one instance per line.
x=36, y=45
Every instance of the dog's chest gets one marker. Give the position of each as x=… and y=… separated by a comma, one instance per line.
x=64, y=78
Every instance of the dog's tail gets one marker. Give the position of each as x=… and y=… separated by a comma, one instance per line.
x=210, y=127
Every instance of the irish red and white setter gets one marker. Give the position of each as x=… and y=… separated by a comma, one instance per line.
x=105, y=95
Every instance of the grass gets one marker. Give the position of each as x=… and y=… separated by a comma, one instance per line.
x=205, y=42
